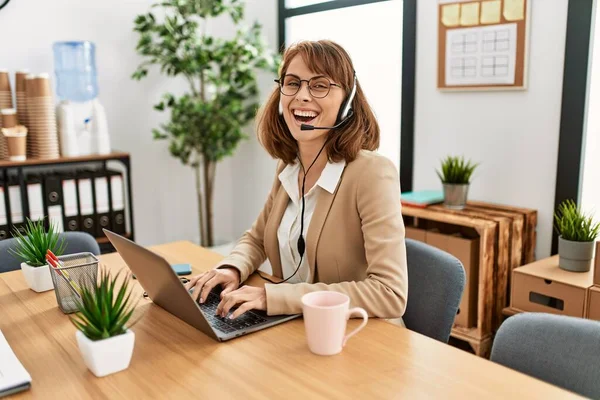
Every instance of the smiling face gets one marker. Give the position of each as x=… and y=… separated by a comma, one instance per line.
x=303, y=108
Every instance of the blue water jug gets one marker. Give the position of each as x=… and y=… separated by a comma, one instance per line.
x=75, y=68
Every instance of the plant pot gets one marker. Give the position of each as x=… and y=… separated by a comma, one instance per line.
x=575, y=256
x=455, y=195
x=38, y=279
x=105, y=357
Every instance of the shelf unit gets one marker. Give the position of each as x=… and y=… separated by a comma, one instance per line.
x=507, y=240
x=100, y=162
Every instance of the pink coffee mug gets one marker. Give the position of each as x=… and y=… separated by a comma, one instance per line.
x=325, y=317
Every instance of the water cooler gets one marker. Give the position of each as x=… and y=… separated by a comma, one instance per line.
x=82, y=125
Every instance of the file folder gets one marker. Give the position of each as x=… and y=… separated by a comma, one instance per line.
x=35, y=197
x=103, y=217
x=70, y=204
x=17, y=219
x=4, y=232
x=14, y=377
x=53, y=201
x=117, y=198
x=86, y=201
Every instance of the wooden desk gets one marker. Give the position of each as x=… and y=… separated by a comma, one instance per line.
x=173, y=360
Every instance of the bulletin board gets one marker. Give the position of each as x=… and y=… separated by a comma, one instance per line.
x=482, y=44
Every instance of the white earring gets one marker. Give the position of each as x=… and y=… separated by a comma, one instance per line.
x=280, y=108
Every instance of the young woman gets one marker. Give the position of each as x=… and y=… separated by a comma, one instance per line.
x=346, y=233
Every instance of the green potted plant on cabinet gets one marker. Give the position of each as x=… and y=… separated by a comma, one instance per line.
x=31, y=248
x=104, y=337
x=577, y=235
x=206, y=122
x=456, y=175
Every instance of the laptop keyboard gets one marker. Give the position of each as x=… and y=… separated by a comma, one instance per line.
x=226, y=325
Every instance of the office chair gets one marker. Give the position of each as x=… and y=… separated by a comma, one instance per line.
x=436, y=281
x=76, y=242
x=563, y=351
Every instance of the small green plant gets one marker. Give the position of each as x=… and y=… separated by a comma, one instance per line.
x=103, y=311
x=573, y=224
x=455, y=170
x=32, y=246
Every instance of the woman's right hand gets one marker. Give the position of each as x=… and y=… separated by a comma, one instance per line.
x=227, y=277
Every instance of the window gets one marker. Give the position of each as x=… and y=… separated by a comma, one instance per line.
x=590, y=185
x=372, y=35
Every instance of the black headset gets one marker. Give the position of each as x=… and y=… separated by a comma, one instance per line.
x=344, y=114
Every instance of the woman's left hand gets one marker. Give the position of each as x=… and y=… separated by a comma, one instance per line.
x=247, y=297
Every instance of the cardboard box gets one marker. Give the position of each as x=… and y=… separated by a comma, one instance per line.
x=543, y=287
x=415, y=233
x=467, y=251
x=597, y=265
x=593, y=303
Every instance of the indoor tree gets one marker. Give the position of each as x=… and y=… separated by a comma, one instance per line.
x=206, y=122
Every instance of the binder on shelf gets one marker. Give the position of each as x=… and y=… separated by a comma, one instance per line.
x=70, y=204
x=4, y=232
x=86, y=201
x=103, y=217
x=35, y=197
x=17, y=219
x=117, y=198
x=53, y=200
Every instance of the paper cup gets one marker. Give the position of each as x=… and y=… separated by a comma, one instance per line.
x=16, y=141
x=20, y=79
x=9, y=117
x=4, y=81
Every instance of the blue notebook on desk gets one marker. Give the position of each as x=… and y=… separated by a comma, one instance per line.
x=422, y=198
x=13, y=376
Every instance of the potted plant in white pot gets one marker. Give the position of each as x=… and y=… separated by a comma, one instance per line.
x=207, y=121
x=104, y=337
x=577, y=237
x=31, y=249
x=456, y=177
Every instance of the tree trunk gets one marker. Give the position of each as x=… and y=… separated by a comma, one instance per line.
x=201, y=203
x=209, y=180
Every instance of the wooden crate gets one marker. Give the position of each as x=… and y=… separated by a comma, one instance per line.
x=480, y=336
x=466, y=250
x=508, y=245
x=511, y=232
x=529, y=226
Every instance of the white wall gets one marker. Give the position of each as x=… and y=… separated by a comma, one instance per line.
x=164, y=191
x=514, y=134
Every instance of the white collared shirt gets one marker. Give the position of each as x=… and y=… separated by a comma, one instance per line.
x=289, y=228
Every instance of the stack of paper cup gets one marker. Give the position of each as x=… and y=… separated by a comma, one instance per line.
x=22, y=100
x=41, y=118
x=5, y=102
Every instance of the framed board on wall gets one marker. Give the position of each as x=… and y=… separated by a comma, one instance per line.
x=483, y=44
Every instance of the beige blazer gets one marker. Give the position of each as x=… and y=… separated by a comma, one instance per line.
x=354, y=244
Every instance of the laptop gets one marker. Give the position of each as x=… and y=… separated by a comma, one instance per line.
x=166, y=290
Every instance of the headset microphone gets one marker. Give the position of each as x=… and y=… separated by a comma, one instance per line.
x=305, y=127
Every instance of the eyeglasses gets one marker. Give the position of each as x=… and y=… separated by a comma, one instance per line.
x=318, y=86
